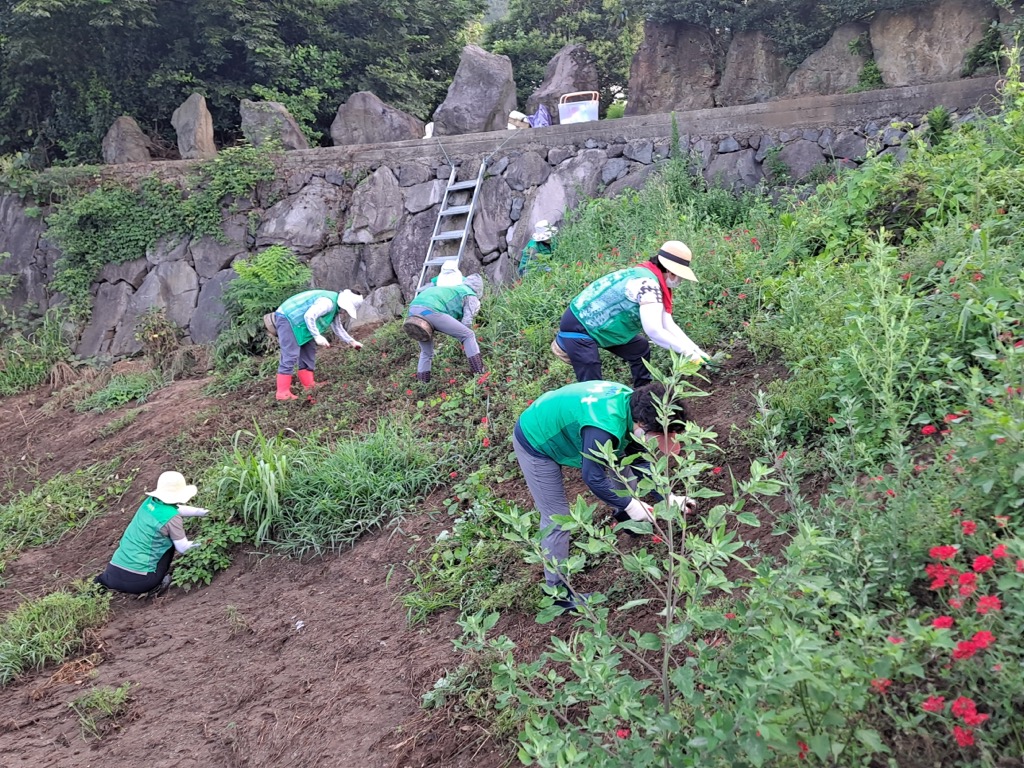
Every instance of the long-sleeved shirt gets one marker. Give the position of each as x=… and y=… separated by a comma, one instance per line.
x=318, y=309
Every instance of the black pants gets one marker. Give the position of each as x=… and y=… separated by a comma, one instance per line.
x=135, y=583
x=586, y=355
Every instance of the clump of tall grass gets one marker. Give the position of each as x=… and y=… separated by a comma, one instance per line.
x=306, y=496
x=122, y=388
x=47, y=630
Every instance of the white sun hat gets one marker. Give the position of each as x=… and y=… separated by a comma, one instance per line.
x=171, y=488
x=544, y=231
x=350, y=302
x=450, y=274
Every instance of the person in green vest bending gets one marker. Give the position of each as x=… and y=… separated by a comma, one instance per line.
x=448, y=309
x=611, y=312
x=301, y=323
x=143, y=556
x=540, y=244
x=563, y=428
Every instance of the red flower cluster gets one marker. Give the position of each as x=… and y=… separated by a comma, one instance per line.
x=941, y=575
x=944, y=552
x=964, y=736
x=966, y=710
x=934, y=704
x=622, y=733
x=881, y=685
x=942, y=622
x=804, y=749
x=982, y=563
x=989, y=603
x=965, y=649
x=929, y=429
x=968, y=527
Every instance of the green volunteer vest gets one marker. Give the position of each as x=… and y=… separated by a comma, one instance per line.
x=447, y=299
x=603, y=309
x=295, y=308
x=554, y=423
x=142, y=544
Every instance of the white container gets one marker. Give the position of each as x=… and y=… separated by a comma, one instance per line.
x=579, y=107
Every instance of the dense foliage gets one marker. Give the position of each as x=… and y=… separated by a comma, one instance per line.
x=69, y=67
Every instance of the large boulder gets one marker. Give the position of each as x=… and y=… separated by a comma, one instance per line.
x=20, y=236
x=527, y=170
x=172, y=286
x=125, y=142
x=491, y=220
x=572, y=69
x=210, y=255
x=266, y=120
x=365, y=119
x=303, y=222
x=834, y=68
x=382, y=305
x=112, y=301
x=409, y=249
x=674, y=69
x=480, y=97
x=800, y=157
x=210, y=318
x=376, y=209
x=194, y=125
x=754, y=71
x=734, y=170
x=928, y=44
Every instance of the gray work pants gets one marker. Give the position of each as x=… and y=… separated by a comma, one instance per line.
x=291, y=352
x=445, y=324
x=544, y=479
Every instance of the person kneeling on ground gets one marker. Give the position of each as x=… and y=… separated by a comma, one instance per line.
x=143, y=557
x=612, y=310
x=540, y=244
x=563, y=428
x=301, y=322
x=449, y=309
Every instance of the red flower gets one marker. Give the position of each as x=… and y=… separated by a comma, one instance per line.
x=954, y=295
x=1000, y=551
x=956, y=603
x=967, y=579
x=929, y=429
x=983, y=639
x=483, y=378
x=881, y=684
x=1020, y=566
x=968, y=589
x=964, y=736
x=942, y=622
x=963, y=706
x=968, y=527
x=483, y=420
x=988, y=603
x=1001, y=521
x=934, y=704
x=782, y=455
x=905, y=276
x=804, y=749
x=716, y=471
x=945, y=552
x=890, y=492
x=730, y=615
x=977, y=276
x=965, y=649
x=487, y=442
x=895, y=640
x=622, y=733
x=742, y=296
x=982, y=563
x=975, y=718
x=831, y=420
x=941, y=575
x=940, y=264
x=656, y=539
x=408, y=391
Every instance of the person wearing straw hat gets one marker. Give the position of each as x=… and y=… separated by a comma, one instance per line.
x=143, y=557
x=611, y=312
x=301, y=322
x=563, y=428
x=541, y=244
x=448, y=309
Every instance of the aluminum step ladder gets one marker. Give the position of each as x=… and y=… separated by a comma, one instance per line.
x=454, y=224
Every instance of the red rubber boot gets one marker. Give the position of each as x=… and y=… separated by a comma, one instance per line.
x=306, y=377
x=284, y=387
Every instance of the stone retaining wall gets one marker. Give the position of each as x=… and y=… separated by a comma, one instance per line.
x=362, y=216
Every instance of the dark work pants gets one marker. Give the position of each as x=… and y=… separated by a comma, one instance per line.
x=135, y=583
x=586, y=355
x=291, y=351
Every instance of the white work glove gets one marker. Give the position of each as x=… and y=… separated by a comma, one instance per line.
x=321, y=341
x=685, y=503
x=356, y=344
x=184, y=545
x=639, y=511
x=186, y=511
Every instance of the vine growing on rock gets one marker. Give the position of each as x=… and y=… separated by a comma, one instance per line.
x=115, y=223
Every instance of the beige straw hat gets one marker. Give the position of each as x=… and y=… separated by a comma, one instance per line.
x=171, y=488
x=675, y=256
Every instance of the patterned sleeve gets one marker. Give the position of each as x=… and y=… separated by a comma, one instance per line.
x=643, y=291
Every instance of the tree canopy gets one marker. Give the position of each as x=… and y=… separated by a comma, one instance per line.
x=68, y=68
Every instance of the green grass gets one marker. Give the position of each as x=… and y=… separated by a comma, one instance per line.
x=123, y=388
x=48, y=630
x=26, y=357
x=99, y=710
x=115, y=425
x=62, y=504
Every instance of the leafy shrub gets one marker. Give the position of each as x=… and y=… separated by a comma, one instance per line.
x=122, y=388
x=199, y=565
x=49, y=629
x=264, y=281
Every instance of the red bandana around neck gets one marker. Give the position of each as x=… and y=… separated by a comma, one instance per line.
x=666, y=292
